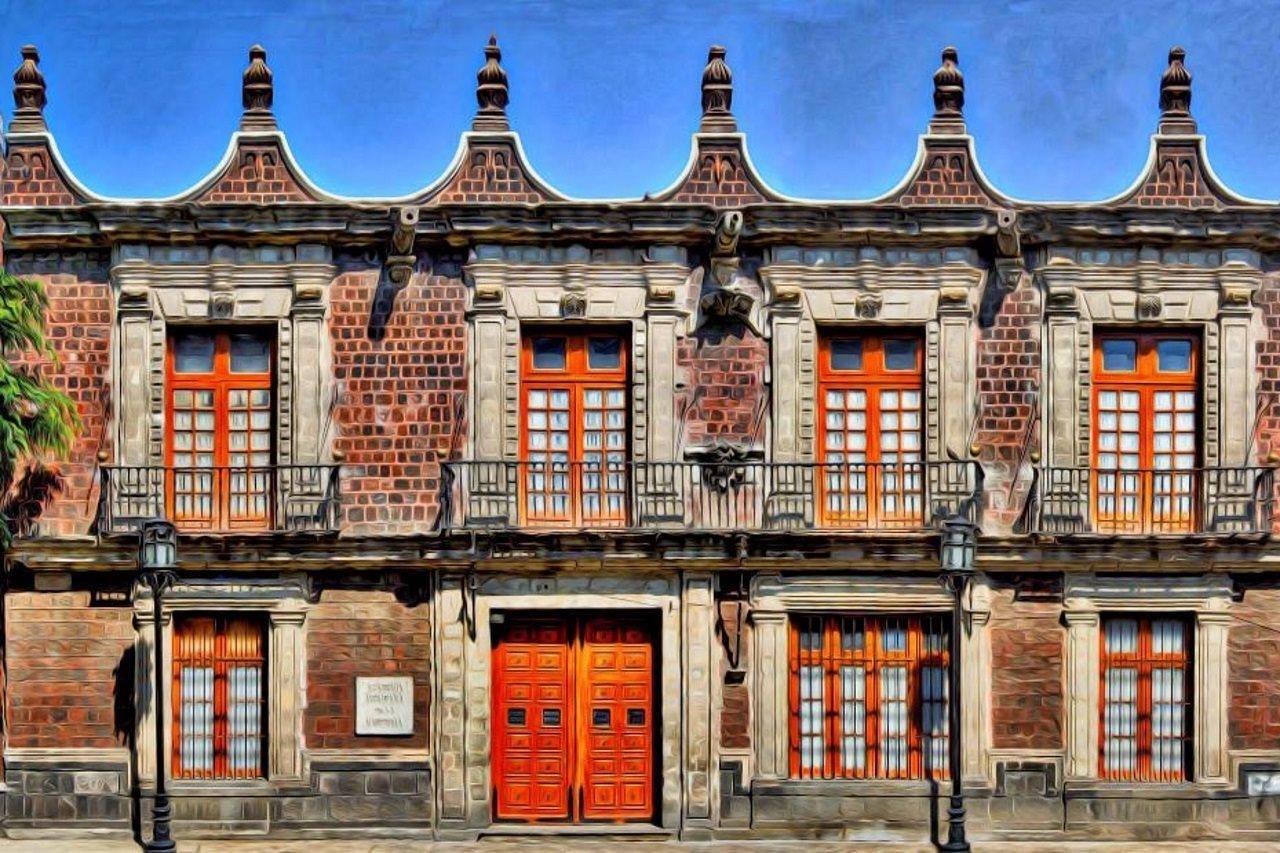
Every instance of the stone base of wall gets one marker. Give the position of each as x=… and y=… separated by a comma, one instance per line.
x=849, y=811
x=70, y=798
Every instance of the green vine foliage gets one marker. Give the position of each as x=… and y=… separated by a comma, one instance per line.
x=38, y=422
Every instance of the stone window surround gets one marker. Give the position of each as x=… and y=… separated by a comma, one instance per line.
x=936, y=292
x=1086, y=599
x=1210, y=292
x=510, y=286
x=775, y=598
x=687, y=687
x=283, y=603
x=159, y=286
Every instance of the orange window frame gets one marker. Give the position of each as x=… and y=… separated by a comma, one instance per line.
x=213, y=646
x=927, y=646
x=1147, y=379
x=905, y=487
x=1143, y=660
x=576, y=378
x=220, y=381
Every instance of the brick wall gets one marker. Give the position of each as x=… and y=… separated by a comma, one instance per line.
x=259, y=174
x=399, y=367
x=1026, y=673
x=70, y=666
x=78, y=325
x=724, y=370
x=1008, y=379
x=1254, y=659
x=366, y=633
x=735, y=711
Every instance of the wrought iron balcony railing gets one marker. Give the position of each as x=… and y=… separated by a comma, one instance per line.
x=1150, y=501
x=707, y=496
x=274, y=498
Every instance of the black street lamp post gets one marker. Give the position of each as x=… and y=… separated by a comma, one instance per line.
x=157, y=557
x=956, y=554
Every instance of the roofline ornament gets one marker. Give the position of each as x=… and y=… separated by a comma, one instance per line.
x=1175, y=95
x=948, y=95
x=257, y=92
x=29, y=93
x=492, y=92
x=717, y=94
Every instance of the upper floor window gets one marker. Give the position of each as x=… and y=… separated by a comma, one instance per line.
x=869, y=697
x=219, y=429
x=1146, y=671
x=871, y=431
x=1145, y=432
x=574, y=424
x=218, y=703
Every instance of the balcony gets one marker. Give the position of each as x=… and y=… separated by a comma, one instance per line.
x=272, y=499
x=1150, y=502
x=707, y=496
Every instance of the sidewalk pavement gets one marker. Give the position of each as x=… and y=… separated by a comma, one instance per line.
x=526, y=845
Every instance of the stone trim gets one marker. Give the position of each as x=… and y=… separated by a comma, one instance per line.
x=1086, y=597
x=460, y=723
x=1085, y=290
x=775, y=597
x=284, y=603
x=159, y=286
x=507, y=289
x=935, y=292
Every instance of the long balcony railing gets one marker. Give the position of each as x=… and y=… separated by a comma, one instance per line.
x=274, y=498
x=707, y=496
x=1150, y=501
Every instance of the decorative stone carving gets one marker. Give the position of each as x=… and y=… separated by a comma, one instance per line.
x=728, y=231
x=400, y=256
x=491, y=91
x=222, y=304
x=726, y=305
x=28, y=92
x=869, y=305
x=1008, y=241
x=723, y=299
x=257, y=91
x=723, y=464
x=717, y=93
x=1150, y=305
x=573, y=305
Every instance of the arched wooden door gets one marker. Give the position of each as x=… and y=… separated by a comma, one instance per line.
x=573, y=718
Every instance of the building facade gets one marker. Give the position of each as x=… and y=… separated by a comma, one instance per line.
x=501, y=511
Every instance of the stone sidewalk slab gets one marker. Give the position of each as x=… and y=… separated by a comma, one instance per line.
x=525, y=845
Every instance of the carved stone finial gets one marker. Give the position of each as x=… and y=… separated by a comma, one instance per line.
x=28, y=92
x=717, y=93
x=257, y=91
x=948, y=93
x=491, y=90
x=1175, y=95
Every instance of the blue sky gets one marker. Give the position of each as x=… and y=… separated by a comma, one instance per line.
x=373, y=94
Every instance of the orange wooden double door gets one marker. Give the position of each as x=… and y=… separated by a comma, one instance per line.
x=573, y=718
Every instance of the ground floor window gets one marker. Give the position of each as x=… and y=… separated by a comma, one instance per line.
x=1146, y=690
x=219, y=722
x=868, y=697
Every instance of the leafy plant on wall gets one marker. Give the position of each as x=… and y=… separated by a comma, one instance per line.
x=38, y=422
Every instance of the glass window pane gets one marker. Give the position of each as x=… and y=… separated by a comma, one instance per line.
x=548, y=353
x=846, y=354
x=604, y=353
x=250, y=354
x=1120, y=355
x=193, y=353
x=1173, y=356
x=900, y=355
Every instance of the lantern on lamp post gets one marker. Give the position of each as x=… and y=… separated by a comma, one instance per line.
x=957, y=553
x=157, y=559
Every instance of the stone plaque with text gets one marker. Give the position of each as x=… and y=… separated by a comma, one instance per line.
x=384, y=705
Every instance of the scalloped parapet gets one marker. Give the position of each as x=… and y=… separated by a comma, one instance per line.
x=260, y=171
x=34, y=176
x=946, y=173
x=1178, y=175
x=490, y=168
x=719, y=173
